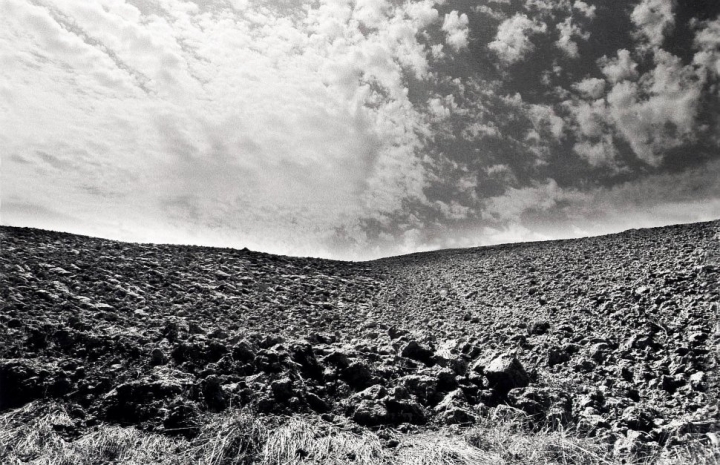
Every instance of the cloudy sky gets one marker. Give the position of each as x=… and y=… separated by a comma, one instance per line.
x=355, y=129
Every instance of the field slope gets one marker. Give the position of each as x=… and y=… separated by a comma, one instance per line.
x=594, y=350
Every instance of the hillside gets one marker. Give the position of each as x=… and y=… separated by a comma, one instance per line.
x=609, y=337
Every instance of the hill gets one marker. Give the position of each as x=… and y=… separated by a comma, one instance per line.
x=596, y=349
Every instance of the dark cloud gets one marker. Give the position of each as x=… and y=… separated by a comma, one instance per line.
x=54, y=161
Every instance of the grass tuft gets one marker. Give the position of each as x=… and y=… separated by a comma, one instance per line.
x=230, y=440
x=303, y=442
x=33, y=434
x=436, y=448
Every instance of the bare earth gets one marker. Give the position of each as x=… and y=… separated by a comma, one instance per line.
x=613, y=338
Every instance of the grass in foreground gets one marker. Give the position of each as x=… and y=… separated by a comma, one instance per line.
x=35, y=434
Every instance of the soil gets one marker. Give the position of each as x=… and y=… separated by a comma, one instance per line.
x=613, y=335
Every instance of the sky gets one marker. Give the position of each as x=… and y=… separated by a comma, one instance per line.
x=355, y=129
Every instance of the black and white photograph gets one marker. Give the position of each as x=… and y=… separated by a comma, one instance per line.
x=359, y=232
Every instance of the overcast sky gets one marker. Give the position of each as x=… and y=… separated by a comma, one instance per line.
x=358, y=129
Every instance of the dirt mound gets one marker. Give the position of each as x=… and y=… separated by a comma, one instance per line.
x=612, y=335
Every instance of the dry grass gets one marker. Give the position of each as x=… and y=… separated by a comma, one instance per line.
x=33, y=434
x=229, y=440
x=300, y=441
x=442, y=449
x=502, y=433
x=695, y=453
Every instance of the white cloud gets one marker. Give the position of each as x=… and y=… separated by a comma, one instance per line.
x=246, y=129
x=545, y=120
x=489, y=11
x=654, y=112
x=455, y=26
x=453, y=210
x=591, y=117
x=422, y=12
x=372, y=13
x=568, y=30
x=654, y=18
x=441, y=108
x=593, y=88
x=659, y=112
x=510, y=206
x=547, y=8
x=437, y=51
x=620, y=68
x=498, y=170
x=707, y=41
x=586, y=9
x=479, y=130
x=510, y=233
x=512, y=40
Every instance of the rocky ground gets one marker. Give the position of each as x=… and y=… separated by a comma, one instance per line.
x=614, y=336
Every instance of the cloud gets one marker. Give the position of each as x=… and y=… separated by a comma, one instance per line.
x=593, y=88
x=512, y=41
x=250, y=127
x=515, y=201
x=601, y=153
x=545, y=120
x=591, y=117
x=547, y=210
x=618, y=69
x=655, y=112
x=707, y=41
x=339, y=128
x=453, y=210
x=423, y=12
x=585, y=9
x=546, y=8
x=16, y=212
x=658, y=113
x=372, y=13
x=654, y=18
x=476, y=130
x=490, y=11
x=656, y=200
x=568, y=30
x=441, y=108
x=455, y=26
